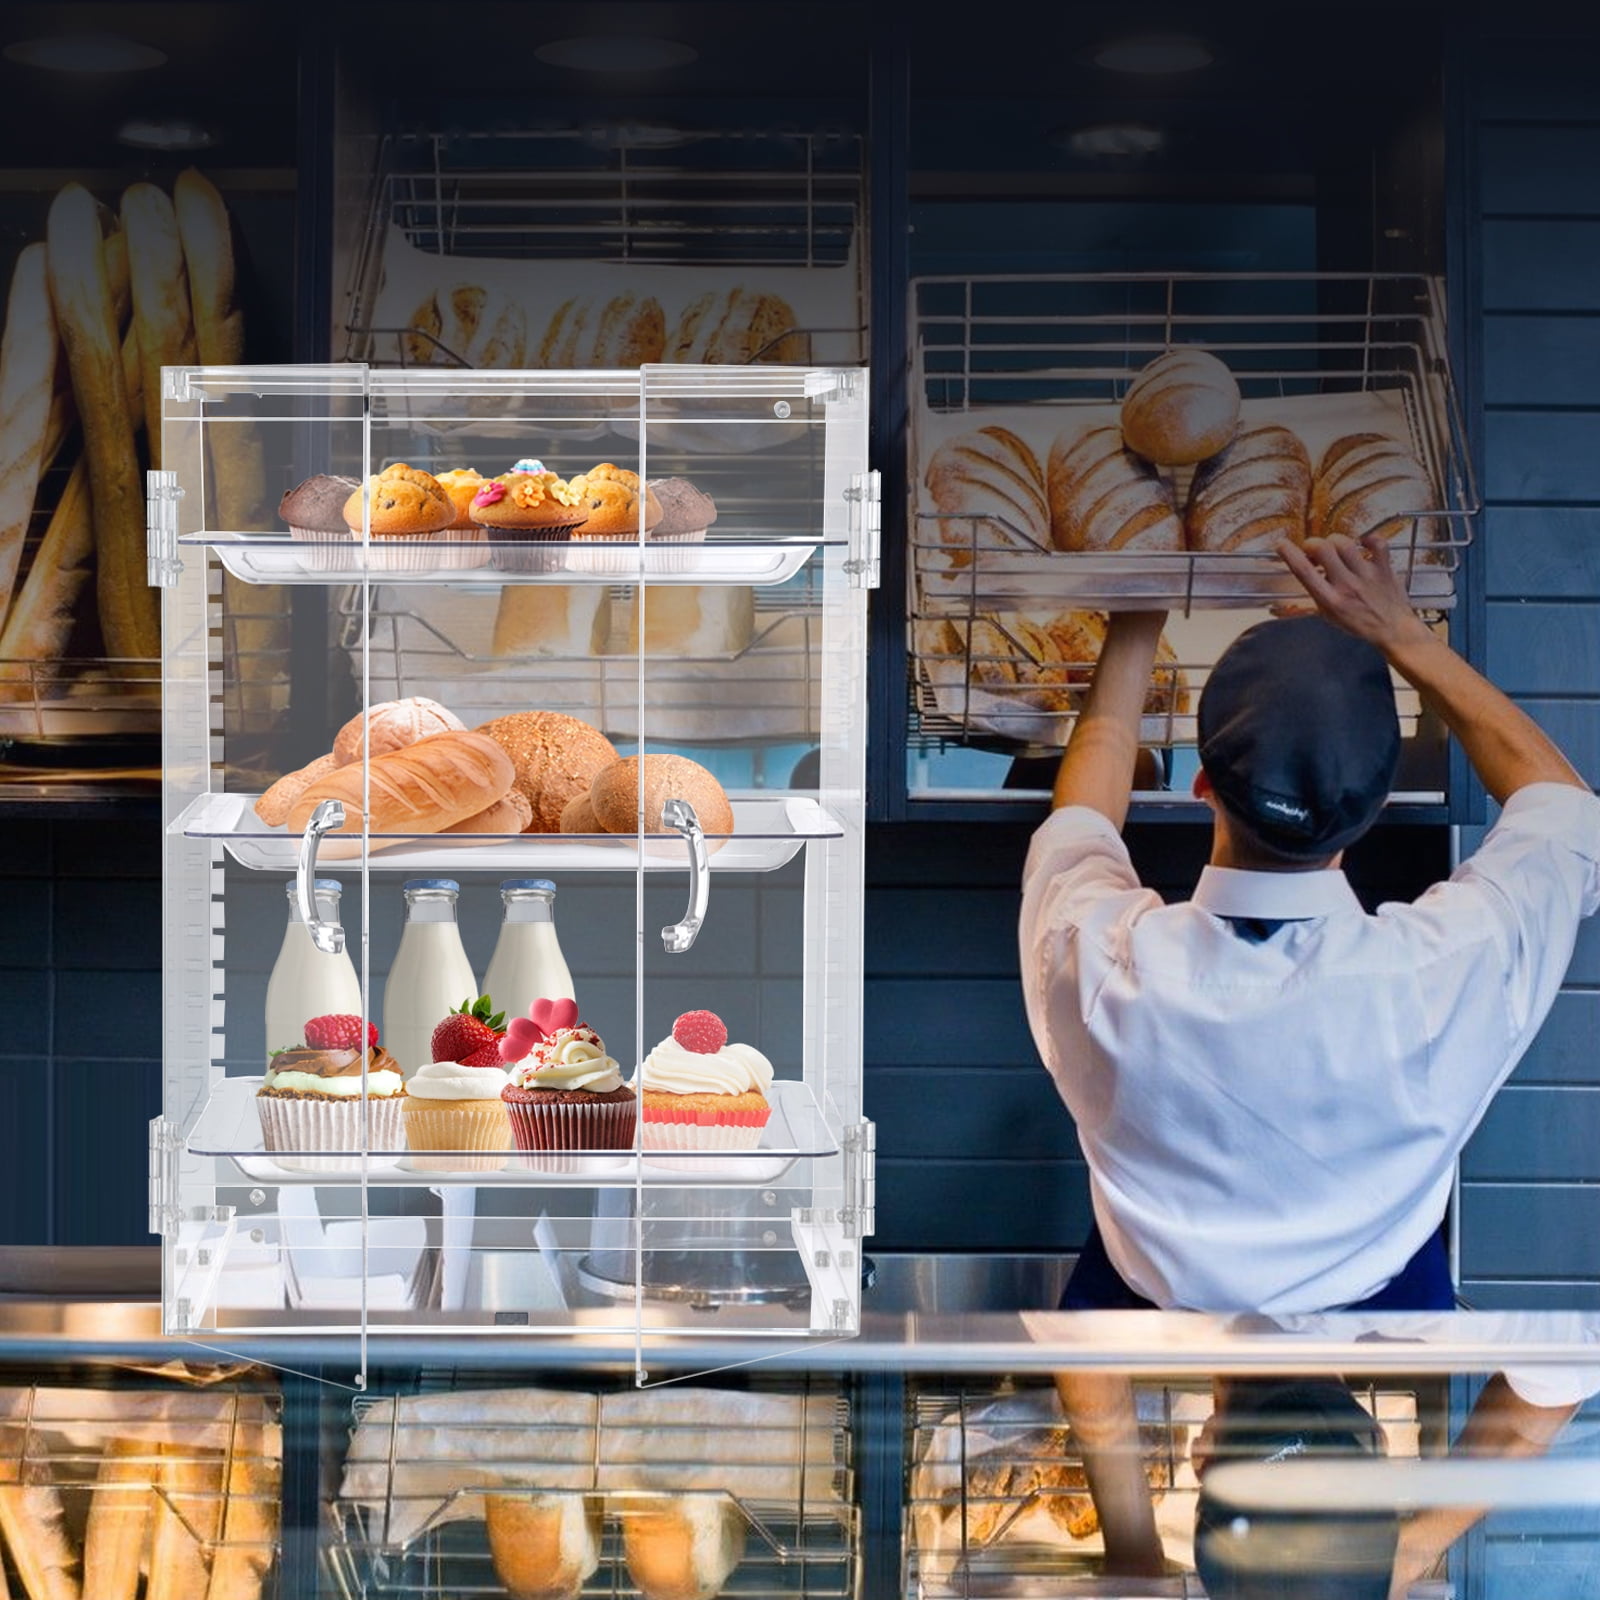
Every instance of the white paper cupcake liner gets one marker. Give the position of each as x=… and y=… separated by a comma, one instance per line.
x=696, y=1136
x=289, y=1127
x=674, y=552
x=325, y=552
x=606, y=555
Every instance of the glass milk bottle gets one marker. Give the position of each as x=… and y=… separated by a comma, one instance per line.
x=527, y=964
x=430, y=977
x=307, y=982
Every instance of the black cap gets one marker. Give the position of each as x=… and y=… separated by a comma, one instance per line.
x=1245, y=1554
x=1299, y=734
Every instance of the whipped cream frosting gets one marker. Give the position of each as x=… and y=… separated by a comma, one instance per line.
x=571, y=1058
x=333, y=1072
x=734, y=1069
x=449, y=1080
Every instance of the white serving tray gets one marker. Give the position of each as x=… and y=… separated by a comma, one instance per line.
x=229, y=1128
x=766, y=834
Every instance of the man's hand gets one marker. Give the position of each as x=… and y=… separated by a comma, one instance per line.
x=1356, y=587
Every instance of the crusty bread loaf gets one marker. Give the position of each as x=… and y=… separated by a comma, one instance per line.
x=423, y=788
x=391, y=725
x=1252, y=495
x=275, y=805
x=989, y=473
x=631, y=331
x=129, y=618
x=556, y=757
x=735, y=326
x=1368, y=483
x=615, y=795
x=1183, y=407
x=27, y=382
x=682, y=1548
x=543, y=1545
x=564, y=337
x=161, y=307
x=1104, y=497
x=479, y=326
x=552, y=619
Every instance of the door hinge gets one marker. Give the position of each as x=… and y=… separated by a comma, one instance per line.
x=164, y=1143
x=859, y=1214
x=865, y=495
x=162, y=495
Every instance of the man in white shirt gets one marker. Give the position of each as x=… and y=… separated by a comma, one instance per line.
x=1270, y=1086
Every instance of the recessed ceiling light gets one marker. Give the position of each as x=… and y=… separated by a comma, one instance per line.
x=1118, y=139
x=619, y=53
x=85, y=52
x=1154, y=54
x=165, y=133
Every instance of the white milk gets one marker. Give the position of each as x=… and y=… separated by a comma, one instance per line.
x=527, y=964
x=307, y=982
x=430, y=977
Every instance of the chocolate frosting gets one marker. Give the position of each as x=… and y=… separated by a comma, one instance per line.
x=332, y=1063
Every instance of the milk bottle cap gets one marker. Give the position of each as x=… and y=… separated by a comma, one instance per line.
x=514, y=885
x=324, y=886
x=449, y=884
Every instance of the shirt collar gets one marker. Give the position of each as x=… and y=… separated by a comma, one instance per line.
x=1277, y=896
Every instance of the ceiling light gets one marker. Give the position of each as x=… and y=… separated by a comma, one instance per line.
x=1122, y=140
x=619, y=53
x=1153, y=54
x=165, y=133
x=85, y=52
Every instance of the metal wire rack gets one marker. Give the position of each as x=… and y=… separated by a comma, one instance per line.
x=400, y=1527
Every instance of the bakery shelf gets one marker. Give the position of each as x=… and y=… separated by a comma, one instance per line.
x=767, y=833
x=229, y=1128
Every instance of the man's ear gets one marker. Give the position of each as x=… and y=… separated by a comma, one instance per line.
x=1202, y=785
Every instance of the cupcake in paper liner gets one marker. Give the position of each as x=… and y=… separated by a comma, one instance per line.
x=455, y=1112
x=686, y=513
x=311, y=1100
x=313, y=511
x=698, y=1092
x=529, y=516
x=617, y=510
x=564, y=1092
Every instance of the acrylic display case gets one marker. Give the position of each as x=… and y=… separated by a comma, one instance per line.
x=741, y=648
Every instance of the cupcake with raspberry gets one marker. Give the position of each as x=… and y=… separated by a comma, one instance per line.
x=533, y=512
x=565, y=1092
x=698, y=1092
x=313, y=1097
x=453, y=1113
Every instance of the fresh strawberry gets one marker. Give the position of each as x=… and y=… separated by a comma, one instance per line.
x=700, y=1031
x=339, y=1031
x=471, y=1035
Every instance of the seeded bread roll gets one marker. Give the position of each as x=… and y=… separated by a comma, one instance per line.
x=1367, y=483
x=1104, y=497
x=392, y=725
x=993, y=474
x=425, y=788
x=615, y=794
x=1183, y=407
x=554, y=757
x=1252, y=495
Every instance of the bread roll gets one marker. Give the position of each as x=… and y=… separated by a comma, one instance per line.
x=161, y=308
x=274, y=806
x=684, y=1548
x=129, y=618
x=1252, y=495
x=1104, y=497
x=544, y=1546
x=1367, y=483
x=615, y=794
x=993, y=474
x=27, y=385
x=392, y=725
x=577, y=816
x=423, y=788
x=1183, y=407
x=555, y=757
x=538, y=619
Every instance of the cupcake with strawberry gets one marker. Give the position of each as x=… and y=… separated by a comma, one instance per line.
x=453, y=1105
x=698, y=1092
x=565, y=1092
x=314, y=1098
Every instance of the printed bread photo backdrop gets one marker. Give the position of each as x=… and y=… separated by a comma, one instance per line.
x=95, y=310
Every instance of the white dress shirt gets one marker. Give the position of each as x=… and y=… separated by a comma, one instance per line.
x=1273, y=1126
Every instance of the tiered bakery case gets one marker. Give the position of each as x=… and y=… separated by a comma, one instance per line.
x=745, y=650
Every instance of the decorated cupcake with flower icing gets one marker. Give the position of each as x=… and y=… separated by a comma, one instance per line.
x=698, y=1092
x=565, y=1092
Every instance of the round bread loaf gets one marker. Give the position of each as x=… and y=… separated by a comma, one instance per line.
x=1104, y=497
x=1368, y=483
x=1251, y=495
x=1183, y=407
x=543, y=1546
x=556, y=758
x=615, y=794
x=393, y=724
x=274, y=806
x=577, y=816
x=993, y=474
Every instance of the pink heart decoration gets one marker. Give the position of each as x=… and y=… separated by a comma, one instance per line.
x=550, y=1016
x=521, y=1036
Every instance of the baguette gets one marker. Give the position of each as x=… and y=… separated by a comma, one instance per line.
x=129, y=619
x=27, y=386
x=33, y=1520
x=63, y=414
x=422, y=788
x=188, y=1514
x=160, y=285
x=119, y=1521
x=250, y=1527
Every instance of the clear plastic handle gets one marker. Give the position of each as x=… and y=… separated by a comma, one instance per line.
x=326, y=936
x=679, y=936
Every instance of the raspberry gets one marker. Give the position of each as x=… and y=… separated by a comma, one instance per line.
x=338, y=1031
x=700, y=1031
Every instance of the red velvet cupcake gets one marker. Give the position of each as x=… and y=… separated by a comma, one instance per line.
x=565, y=1092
